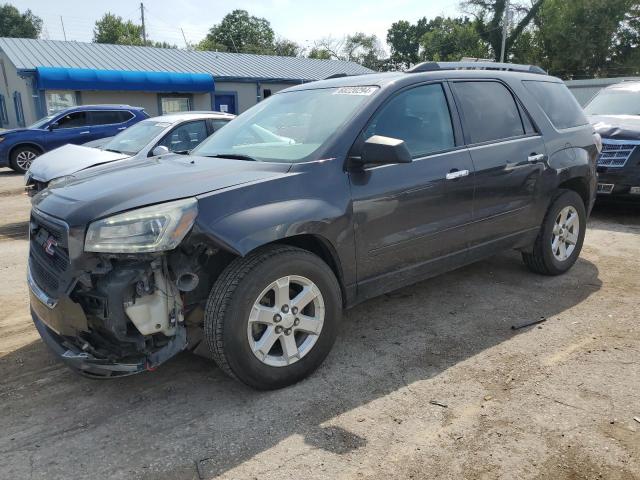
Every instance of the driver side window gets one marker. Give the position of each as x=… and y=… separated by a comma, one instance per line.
x=72, y=120
x=185, y=137
x=419, y=116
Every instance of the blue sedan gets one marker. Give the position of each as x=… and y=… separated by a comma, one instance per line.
x=19, y=147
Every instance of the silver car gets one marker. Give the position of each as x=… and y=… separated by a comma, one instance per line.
x=177, y=133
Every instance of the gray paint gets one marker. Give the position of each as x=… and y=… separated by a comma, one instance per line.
x=27, y=54
x=585, y=90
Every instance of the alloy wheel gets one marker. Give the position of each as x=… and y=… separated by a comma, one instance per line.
x=565, y=235
x=24, y=159
x=286, y=321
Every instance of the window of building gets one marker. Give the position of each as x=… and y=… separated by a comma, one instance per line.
x=4, y=114
x=72, y=120
x=266, y=93
x=109, y=117
x=185, y=137
x=59, y=100
x=559, y=104
x=420, y=117
x=174, y=104
x=17, y=103
x=490, y=111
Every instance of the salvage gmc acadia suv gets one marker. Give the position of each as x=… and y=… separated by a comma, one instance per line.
x=322, y=196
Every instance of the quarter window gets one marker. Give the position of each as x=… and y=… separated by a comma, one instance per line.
x=420, y=117
x=185, y=137
x=558, y=103
x=490, y=111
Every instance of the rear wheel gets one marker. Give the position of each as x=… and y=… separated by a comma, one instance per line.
x=22, y=157
x=559, y=242
x=272, y=317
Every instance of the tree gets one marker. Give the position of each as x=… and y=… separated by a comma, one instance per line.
x=589, y=38
x=241, y=33
x=359, y=47
x=450, y=39
x=286, y=48
x=489, y=18
x=404, y=43
x=112, y=29
x=18, y=25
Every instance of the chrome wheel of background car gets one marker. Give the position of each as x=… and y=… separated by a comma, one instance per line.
x=24, y=159
x=565, y=233
x=286, y=321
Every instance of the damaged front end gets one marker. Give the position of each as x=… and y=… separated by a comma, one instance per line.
x=118, y=307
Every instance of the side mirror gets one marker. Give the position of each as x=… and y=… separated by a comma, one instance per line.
x=54, y=125
x=379, y=150
x=159, y=150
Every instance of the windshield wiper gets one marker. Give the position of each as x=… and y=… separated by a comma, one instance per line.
x=232, y=156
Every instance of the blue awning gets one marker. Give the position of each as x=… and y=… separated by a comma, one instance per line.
x=57, y=78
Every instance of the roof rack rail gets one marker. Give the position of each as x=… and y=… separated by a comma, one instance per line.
x=511, y=67
x=337, y=75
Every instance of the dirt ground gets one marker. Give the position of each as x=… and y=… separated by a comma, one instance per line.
x=553, y=401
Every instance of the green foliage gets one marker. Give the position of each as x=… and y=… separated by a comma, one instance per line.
x=450, y=39
x=404, y=43
x=18, y=25
x=112, y=29
x=241, y=33
x=319, y=53
x=286, y=48
x=359, y=47
x=589, y=38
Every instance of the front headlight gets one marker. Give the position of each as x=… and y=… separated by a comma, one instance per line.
x=1, y=139
x=149, y=229
x=60, y=180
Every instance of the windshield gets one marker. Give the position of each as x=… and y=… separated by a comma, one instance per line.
x=40, y=123
x=136, y=137
x=614, y=102
x=288, y=127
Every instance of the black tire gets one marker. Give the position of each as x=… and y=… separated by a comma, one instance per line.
x=541, y=259
x=16, y=163
x=232, y=298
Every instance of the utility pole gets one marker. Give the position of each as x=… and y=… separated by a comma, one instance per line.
x=144, y=30
x=505, y=29
x=186, y=44
x=64, y=34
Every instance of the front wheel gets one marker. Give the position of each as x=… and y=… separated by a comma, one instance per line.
x=22, y=157
x=559, y=242
x=272, y=317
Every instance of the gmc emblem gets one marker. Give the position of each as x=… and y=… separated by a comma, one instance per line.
x=49, y=245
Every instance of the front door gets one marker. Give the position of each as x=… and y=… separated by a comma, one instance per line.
x=225, y=103
x=410, y=217
x=69, y=128
x=508, y=157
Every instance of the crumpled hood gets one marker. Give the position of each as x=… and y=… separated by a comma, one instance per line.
x=147, y=181
x=69, y=159
x=617, y=127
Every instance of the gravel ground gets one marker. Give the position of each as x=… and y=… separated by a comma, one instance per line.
x=427, y=382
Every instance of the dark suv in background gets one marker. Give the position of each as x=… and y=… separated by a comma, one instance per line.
x=320, y=197
x=19, y=147
x=615, y=114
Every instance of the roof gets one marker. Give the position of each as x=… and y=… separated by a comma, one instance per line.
x=102, y=106
x=28, y=54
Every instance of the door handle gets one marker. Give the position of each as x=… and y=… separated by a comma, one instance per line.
x=536, y=157
x=121, y=128
x=84, y=133
x=453, y=174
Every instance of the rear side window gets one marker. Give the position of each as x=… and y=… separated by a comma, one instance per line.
x=109, y=117
x=490, y=111
x=216, y=124
x=557, y=102
x=420, y=117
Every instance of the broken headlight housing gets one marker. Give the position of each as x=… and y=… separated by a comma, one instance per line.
x=150, y=229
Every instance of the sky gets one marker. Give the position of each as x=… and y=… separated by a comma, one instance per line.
x=302, y=21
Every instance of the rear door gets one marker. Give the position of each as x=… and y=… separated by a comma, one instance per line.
x=508, y=156
x=407, y=216
x=107, y=123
